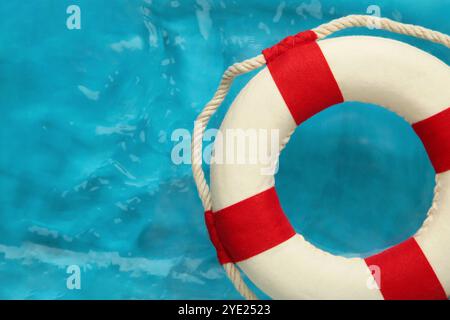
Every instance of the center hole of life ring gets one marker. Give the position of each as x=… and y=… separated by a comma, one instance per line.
x=355, y=179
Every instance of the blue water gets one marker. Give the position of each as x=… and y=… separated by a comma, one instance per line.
x=86, y=176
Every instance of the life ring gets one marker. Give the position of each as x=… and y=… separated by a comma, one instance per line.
x=304, y=76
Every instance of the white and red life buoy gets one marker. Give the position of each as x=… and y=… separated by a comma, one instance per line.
x=247, y=224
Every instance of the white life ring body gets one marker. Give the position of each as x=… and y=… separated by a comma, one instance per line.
x=303, y=77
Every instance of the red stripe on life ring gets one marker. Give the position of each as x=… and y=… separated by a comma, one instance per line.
x=222, y=254
x=435, y=135
x=251, y=226
x=302, y=75
x=406, y=274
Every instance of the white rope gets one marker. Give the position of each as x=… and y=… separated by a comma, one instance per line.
x=203, y=118
x=239, y=68
x=333, y=26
